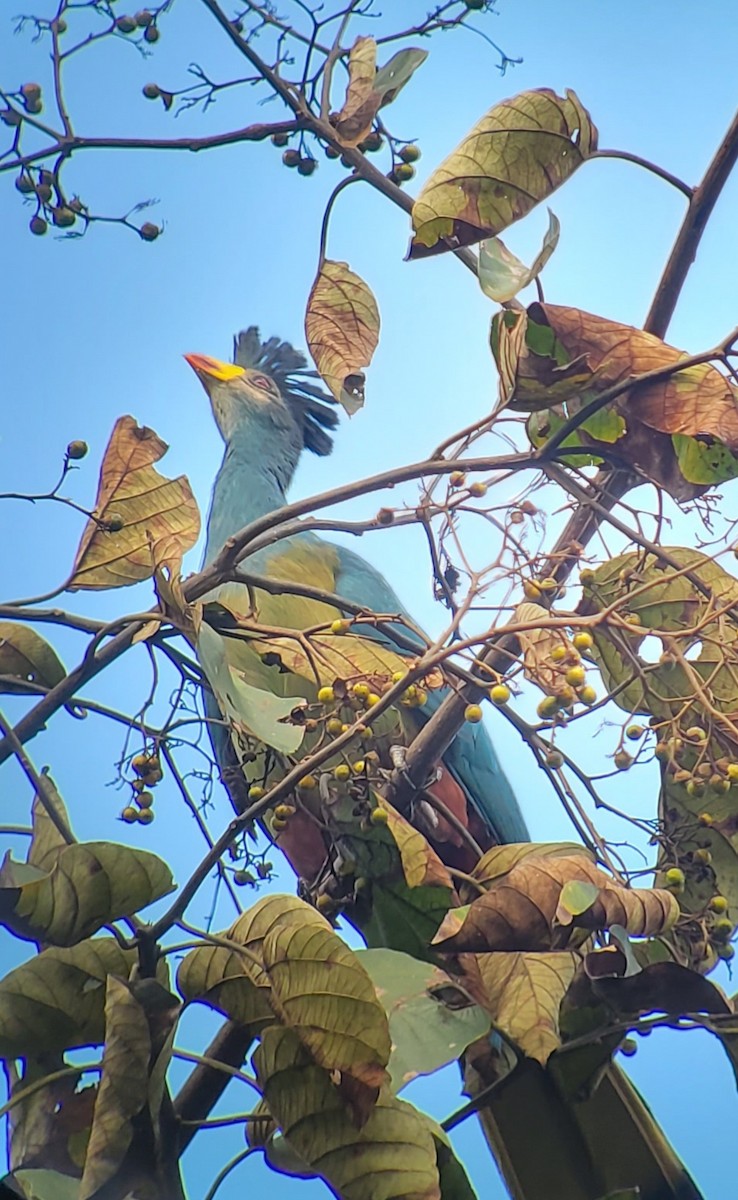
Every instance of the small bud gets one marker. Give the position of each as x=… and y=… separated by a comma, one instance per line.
x=59, y=26
x=31, y=91
x=77, y=450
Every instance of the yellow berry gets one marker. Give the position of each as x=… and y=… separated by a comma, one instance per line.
x=129, y=815
x=674, y=878
x=732, y=771
x=326, y=695
x=531, y=591
x=372, y=699
x=706, y=818
x=499, y=694
x=144, y=800
x=140, y=763
x=278, y=824
x=457, y=479
x=588, y=695
x=575, y=676
x=307, y=783
x=339, y=626
x=634, y=732
x=360, y=690
x=567, y=696
x=398, y=676
x=283, y=811
x=559, y=653
x=145, y=816
x=334, y=726
x=359, y=767
x=473, y=714
x=256, y=792
x=342, y=772
x=549, y=584
x=622, y=759
x=586, y=576
x=718, y=904
x=695, y=787
x=696, y=734
x=548, y=707
x=324, y=903
x=583, y=640
x=722, y=930
x=631, y=618
x=703, y=856
x=379, y=816
x=421, y=698
x=478, y=489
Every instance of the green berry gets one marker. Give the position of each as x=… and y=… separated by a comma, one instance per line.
x=403, y=173
x=77, y=450
x=548, y=707
x=726, y=952
x=722, y=930
x=242, y=878
x=634, y=732
x=410, y=153
x=622, y=759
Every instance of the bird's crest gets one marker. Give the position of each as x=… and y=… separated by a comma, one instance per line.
x=288, y=368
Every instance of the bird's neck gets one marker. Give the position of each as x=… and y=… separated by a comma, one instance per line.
x=253, y=480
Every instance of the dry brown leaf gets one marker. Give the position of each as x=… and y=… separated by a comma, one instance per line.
x=698, y=400
x=160, y=516
x=500, y=860
x=524, y=994
x=362, y=102
x=342, y=331
x=523, y=910
x=537, y=645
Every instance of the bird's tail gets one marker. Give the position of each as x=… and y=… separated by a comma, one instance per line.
x=550, y=1145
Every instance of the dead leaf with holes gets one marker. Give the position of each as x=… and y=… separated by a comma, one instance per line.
x=158, y=517
x=342, y=331
x=548, y=903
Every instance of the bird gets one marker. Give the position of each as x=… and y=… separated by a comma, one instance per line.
x=269, y=410
x=593, y=1135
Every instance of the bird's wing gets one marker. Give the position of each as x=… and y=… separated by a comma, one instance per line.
x=471, y=757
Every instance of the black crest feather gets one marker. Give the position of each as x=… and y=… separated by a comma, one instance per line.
x=289, y=370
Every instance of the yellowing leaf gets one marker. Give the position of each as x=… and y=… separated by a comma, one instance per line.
x=26, y=656
x=342, y=331
x=325, y=995
x=525, y=993
x=420, y=863
x=502, y=275
x=537, y=644
x=47, y=841
x=500, y=860
x=516, y=156
x=362, y=103
x=89, y=885
x=159, y=516
x=392, y=1157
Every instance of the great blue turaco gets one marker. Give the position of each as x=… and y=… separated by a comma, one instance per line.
x=268, y=408
x=577, y=1130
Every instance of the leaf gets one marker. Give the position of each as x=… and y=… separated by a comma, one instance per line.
x=392, y=1157
x=420, y=863
x=704, y=460
x=250, y=710
x=397, y=71
x=431, y=1020
x=55, y=1001
x=123, y=1087
x=346, y=657
x=403, y=918
x=26, y=656
x=48, y=1127
x=502, y=275
x=324, y=994
x=525, y=993
x=521, y=910
x=40, y=1184
x=47, y=842
x=661, y=987
x=362, y=102
x=514, y=157
x=160, y=518
x=537, y=644
x=500, y=860
x=342, y=331
x=89, y=885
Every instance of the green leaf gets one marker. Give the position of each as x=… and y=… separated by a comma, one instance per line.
x=577, y=896
x=404, y=918
x=514, y=157
x=89, y=885
x=704, y=460
x=251, y=710
x=25, y=655
x=39, y=1184
x=55, y=1001
x=431, y=1020
x=395, y=73
x=47, y=842
x=502, y=275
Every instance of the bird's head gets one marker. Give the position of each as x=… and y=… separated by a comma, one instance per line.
x=239, y=395
x=267, y=389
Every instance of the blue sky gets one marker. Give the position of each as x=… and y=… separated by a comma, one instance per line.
x=96, y=328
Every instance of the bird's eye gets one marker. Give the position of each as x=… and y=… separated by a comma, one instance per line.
x=261, y=381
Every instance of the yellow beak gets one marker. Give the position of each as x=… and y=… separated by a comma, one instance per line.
x=212, y=368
